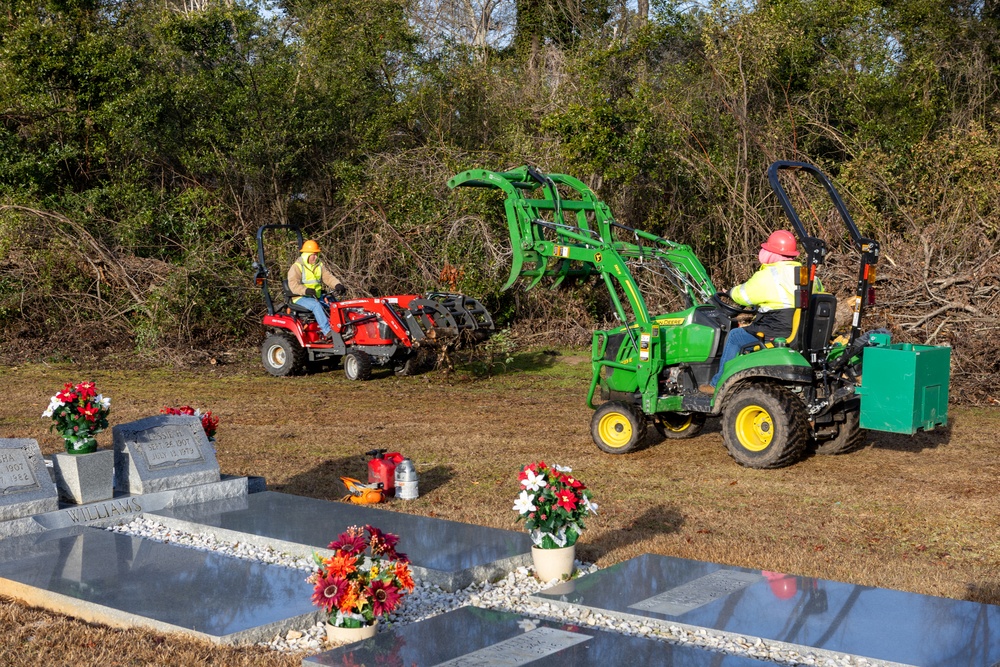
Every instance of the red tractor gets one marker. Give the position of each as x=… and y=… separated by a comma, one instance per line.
x=403, y=331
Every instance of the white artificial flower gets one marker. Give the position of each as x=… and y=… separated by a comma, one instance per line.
x=54, y=403
x=524, y=503
x=591, y=507
x=563, y=468
x=105, y=402
x=531, y=481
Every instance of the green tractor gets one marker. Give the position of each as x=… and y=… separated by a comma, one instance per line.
x=778, y=398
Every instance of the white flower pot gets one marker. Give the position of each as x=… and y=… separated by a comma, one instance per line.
x=553, y=563
x=338, y=635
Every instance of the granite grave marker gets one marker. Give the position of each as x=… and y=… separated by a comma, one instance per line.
x=904, y=628
x=476, y=637
x=163, y=452
x=25, y=485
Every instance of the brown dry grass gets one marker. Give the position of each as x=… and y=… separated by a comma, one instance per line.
x=917, y=514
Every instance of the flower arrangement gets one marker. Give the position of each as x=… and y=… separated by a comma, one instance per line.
x=79, y=413
x=365, y=578
x=553, y=505
x=209, y=422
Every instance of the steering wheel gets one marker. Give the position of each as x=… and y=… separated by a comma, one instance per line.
x=731, y=309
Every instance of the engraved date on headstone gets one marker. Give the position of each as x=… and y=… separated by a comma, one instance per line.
x=15, y=471
x=167, y=447
x=519, y=650
x=697, y=593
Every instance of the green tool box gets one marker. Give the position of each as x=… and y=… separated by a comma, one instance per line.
x=904, y=387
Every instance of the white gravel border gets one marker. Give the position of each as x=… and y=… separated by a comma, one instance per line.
x=508, y=594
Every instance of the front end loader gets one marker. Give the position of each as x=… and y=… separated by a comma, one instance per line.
x=778, y=398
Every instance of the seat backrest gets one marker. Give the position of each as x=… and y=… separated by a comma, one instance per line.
x=821, y=320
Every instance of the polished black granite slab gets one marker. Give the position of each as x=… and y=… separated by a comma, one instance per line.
x=471, y=636
x=447, y=553
x=875, y=623
x=122, y=580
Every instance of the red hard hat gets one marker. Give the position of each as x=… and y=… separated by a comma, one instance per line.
x=781, y=242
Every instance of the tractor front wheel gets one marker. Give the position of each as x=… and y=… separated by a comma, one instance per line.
x=282, y=355
x=849, y=438
x=678, y=426
x=616, y=428
x=765, y=426
x=357, y=365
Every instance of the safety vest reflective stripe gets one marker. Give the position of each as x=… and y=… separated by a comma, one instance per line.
x=312, y=274
x=772, y=287
x=783, y=292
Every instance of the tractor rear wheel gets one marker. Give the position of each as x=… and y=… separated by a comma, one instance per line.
x=765, y=426
x=678, y=426
x=849, y=438
x=282, y=355
x=616, y=428
x=357, y=365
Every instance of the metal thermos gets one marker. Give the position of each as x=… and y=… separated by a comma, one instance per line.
x=406, y=480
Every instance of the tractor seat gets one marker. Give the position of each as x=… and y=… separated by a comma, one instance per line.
x=813, y=332
x=291, y=307
x=809, y=334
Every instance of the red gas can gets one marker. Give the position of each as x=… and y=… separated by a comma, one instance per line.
x=382, y=468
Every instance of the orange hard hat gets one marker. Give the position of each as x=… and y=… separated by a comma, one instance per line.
x=781, y=242
x=312, y=246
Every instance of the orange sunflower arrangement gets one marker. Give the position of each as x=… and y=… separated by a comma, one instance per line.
x=364, y=580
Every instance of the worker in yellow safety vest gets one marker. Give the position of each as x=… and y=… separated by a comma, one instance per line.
x=307, y=279
x=772, y=290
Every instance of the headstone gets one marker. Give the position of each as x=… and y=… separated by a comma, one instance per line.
x=163, y=452
x=121, y=580
x=814, y=614
x=448, y=554
x=474, y=637
x=84, y=478
x=25, y=485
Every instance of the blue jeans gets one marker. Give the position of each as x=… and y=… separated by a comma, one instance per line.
x=318, y=311
x=735, y=342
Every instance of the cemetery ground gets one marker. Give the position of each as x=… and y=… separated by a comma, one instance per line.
x=914, y=513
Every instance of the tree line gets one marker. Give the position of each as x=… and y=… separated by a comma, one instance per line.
x=142, y=142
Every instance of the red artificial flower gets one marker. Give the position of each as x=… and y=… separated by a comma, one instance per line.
x=348, y=542
x=570, y=481
x=66, y=396
x=88, y=410
x=567, y=500
x=209, y=422
x=385, y=597
x=86, y=390
x=329, y=591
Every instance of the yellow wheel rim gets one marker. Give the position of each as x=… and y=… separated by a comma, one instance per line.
x=676, y=424
x=754, y=428
x=615, y=429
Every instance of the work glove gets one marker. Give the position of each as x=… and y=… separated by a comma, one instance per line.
x=339, y=290
x=314, y=293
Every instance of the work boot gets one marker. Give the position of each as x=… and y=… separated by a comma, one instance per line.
x=707, y=389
